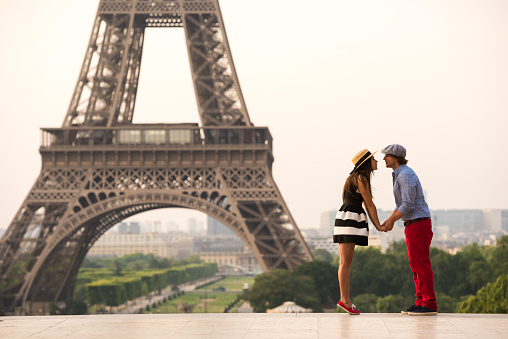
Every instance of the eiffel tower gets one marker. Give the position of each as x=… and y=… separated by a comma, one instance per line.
x=99, y=168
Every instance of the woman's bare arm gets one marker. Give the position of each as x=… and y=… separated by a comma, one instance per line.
x=369, y=203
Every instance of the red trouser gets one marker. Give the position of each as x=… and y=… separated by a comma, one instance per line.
x=418, y=238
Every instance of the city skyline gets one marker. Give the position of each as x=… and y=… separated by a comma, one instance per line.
x=436, y=70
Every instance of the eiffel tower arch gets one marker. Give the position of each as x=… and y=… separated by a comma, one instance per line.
x=99, y=168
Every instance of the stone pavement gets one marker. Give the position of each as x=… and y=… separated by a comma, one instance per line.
x=256, y=325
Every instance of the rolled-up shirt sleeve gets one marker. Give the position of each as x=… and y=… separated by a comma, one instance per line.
x=408, y=190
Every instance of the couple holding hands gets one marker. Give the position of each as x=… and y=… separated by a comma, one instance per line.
x=351, y=227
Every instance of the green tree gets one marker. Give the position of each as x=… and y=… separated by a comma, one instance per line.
x=154, y=263
x=117, y=268
x=391, y=304
x=366, y=302
x=499, y=257
x=273, y=288
x=323, y=255
x=193, y=259
x=446, y=303
x=90, y=263
x=368, y=273
x=486, y=251
x=135, y=257
x=444, y=269
x=165, y=263
x=399, y=270
x=325, y=280
x=480, y=273
x=377, y=273
x=465, y=281
x=462, y=273
x=502, y=241
x=137, y=265
x=78, y=307
x=398, y=248
x=492, y=298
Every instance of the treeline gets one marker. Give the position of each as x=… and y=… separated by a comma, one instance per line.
x=118, y=290
x=136, y=262
x=93, y=269
x=383, y=282
x=114, y=281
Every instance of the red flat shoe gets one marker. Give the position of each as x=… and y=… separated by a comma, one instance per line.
x=352, y=310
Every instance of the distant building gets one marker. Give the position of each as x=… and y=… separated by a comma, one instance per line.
x=172, y=226
x=226, y=250
x=495, y=220
x=158, y=244
x=195, y=226
x=328, y=221
x=327, y=243
x=383, y=215
x=122, y=228
x=182, y=246
x=228, y=243
x=215, y=227
x=232, y=270
x=129, y=228
x=147, y=226
x=243, y=258
x=459, y=220
x=315, y=233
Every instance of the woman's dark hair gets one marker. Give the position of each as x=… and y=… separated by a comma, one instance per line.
x=364, y=173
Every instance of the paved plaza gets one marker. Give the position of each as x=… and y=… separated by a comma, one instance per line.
x=257, y=325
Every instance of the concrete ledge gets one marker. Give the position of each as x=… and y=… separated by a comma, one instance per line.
x=257, y=325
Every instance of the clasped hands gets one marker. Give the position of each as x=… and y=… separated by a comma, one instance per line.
x=387, y=225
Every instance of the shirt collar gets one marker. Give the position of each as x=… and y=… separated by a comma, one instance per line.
x=397, y=171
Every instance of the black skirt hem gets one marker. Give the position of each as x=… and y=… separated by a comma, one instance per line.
x=359, y=240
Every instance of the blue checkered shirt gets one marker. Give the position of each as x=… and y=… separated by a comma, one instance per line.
x=408, y=194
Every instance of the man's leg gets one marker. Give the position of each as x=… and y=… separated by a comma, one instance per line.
x=418, y=239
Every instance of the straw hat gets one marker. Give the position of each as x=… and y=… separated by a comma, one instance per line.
x=360, y=158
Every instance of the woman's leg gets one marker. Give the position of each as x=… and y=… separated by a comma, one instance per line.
x=346, y=257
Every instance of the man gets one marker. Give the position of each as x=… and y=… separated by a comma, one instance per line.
x=414, y=211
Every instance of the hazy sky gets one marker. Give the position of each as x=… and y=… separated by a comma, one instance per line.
x=328, y=77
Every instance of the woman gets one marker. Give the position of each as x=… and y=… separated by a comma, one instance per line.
x=351, y=227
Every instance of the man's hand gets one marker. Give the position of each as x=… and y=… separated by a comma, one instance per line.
x=388, y=224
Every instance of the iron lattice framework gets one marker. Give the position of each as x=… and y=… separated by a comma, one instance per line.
x=99, y=169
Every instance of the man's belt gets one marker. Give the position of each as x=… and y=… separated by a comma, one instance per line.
x=409, y=222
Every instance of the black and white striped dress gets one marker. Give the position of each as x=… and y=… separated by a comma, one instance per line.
x=351, y=224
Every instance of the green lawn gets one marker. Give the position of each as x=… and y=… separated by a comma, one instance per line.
x=214, y=304
x=231, y=284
